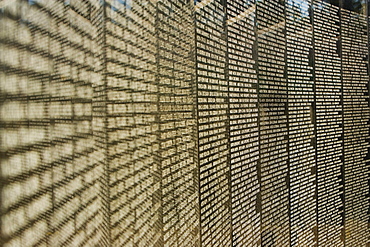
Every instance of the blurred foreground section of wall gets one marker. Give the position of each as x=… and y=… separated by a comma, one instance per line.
x=184, y=123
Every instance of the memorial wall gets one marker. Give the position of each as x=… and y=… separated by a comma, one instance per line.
x=301, y=122
x=184, y=123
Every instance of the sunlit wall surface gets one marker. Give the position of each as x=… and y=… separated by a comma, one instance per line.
x=213, y=123
x=244, y=138
x=184, y=123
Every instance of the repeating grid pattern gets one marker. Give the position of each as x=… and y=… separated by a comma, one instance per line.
x=356, y=115
x=329, y=113
x=52, y=166
x=273, y=131
x=178, y=156
x=302, y=165
x=131, y=123
x=184, y=123
x=215, y=215
x=244, y=141
x=368, y=95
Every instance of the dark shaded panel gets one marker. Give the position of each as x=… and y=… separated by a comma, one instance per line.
x=333, y=2
x=301, y=123
x=358, y=6
x=356, y=129
x=329, y=115
x=273, y=123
